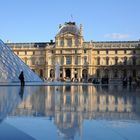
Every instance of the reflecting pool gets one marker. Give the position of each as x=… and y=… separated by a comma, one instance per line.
x=69, y=113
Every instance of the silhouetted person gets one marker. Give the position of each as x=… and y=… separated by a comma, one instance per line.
x=125, y=81
x=21, y=78
x=21, y=92
x=130, y=80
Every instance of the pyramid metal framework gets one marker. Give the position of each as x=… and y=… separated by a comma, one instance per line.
x=11, y=66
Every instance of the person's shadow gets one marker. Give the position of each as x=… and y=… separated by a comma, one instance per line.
x=21, y=92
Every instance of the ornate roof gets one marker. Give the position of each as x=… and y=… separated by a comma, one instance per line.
x=69, y=27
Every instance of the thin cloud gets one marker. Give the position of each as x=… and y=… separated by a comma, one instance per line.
x=117, y=36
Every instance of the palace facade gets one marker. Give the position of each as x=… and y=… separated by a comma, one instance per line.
x=80, y=59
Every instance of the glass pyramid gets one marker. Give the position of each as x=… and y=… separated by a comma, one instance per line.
x=11, y=66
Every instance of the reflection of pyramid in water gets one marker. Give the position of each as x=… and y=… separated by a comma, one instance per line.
x=11, y=66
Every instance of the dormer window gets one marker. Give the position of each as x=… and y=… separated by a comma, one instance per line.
x=62, y=42
x=76, y=42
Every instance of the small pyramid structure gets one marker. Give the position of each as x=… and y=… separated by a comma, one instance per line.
x=11, y=66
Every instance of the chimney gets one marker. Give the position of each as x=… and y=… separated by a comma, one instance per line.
x=81, y=29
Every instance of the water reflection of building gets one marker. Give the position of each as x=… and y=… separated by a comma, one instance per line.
x=69, y=106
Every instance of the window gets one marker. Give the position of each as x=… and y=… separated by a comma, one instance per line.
x=134, y=52
x=52, y=73
x=68, y=60
x=33, y=61
x=41, y=60
x=85, y=59
x=41, y=73
x=115, y=51
x=76, y=60
x=124, y=51
x=79, y=60
x=69, y=42
x=33, y=70
x=76, y=42
x=107, y=60
x=85, y=51
x=116, y=60
x=62, y=43
x=98, y=61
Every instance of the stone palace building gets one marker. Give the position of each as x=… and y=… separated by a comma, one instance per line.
x=80, y=59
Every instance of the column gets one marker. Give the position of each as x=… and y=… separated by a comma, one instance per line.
x=48, y=73
x=64, y=100
x=79, y=74
x=58, y=40
x=72, y=60
x=64, y=60
x=65, y=42
x=63, y=73
x=73, y=42
x=72, y=73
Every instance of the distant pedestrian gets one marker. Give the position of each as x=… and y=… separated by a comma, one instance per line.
x=130, y=80
x=125, y=81
x=21, y=78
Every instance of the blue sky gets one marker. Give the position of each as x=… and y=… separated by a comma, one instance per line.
x=38, y=20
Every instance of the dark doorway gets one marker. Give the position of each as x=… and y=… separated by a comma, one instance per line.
x=84, y=73
x=68, y=73
x=75, y=75
x=52, y=73
x=41, y=73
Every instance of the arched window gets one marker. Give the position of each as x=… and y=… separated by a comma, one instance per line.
x=41, y=73
x=84, y=73
x=52, y=74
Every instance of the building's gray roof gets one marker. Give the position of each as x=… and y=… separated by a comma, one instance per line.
x=31, y=44
x=69, y=27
